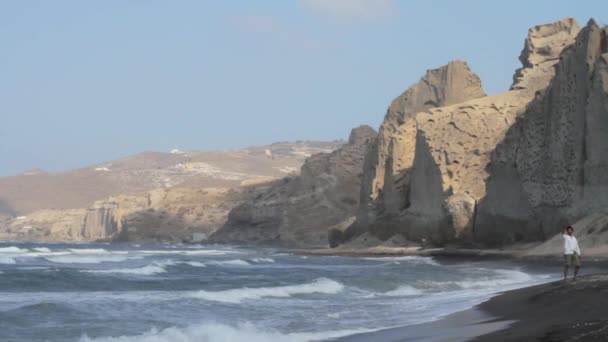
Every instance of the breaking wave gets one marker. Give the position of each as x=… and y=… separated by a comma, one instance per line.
x=507, y=277
x=215, y=332
x=12, y=249
x=411, y=259
x=6, y=260
x=195, y=263
x=236, y=262
x=262, y=260
x=88, y=251
x=321, y=285
x=144, y=270
x=404, y=290
x=87, y=259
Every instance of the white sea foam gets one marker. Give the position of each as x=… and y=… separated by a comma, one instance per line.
x=195, y=263
x=156, y=267
x=88, y=251
x=236, y=262
x=188, y=252
x=42, y=250
x=321, y=285
x=7, y=260
x=215, y=332
x=404, y=290
x=412, y=259
x=34, y=268
x=145, y=270
x=506, y=277
x=401, y=291
x=12, y=249
x=262, y=260
x=87, y=259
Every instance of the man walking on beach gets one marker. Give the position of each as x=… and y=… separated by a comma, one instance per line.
x=572, y=253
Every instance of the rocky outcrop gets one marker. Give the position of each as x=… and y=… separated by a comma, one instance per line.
x=433, y=170
x=389, y=160
x=48, y=225
x=173, y=214
x=542, y=50
x=36, y=189
x=298, y=210
x=552, y=167
x=104, y=220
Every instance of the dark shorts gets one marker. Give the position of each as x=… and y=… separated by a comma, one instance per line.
x=572, y=259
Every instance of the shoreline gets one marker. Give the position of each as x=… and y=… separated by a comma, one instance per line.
x=454, y=254
x=556, y=311
x=459, y=326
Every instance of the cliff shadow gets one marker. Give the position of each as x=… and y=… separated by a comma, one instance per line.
x=158, y=225
x=422, y=215
x=504, y=215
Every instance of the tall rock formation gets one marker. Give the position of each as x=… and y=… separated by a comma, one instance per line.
x=389, y=160
x=552, y=169
x=298, y=210
x=432, y=168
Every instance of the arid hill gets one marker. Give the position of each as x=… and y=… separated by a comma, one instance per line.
x=157, y=196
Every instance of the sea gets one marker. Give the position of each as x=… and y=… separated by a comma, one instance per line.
x=160, y=292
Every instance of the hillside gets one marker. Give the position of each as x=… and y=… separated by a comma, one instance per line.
x=150, y=196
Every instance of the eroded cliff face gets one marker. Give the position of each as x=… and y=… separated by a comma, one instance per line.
x=553, y=165
x=298, y=210
x=166, y=214
x=389, y=159
x=433, y=169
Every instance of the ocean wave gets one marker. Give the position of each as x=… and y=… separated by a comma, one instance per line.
x=144, y=270
x=12, y=249
x=496, y=280
x=195, y=263
x=188, y=252
x=321, y=285
x=215, y=332
x=402, y=291
x=156, y=267
x=88, y=251
x=6, y=260
x=506, y=277
x=41, y=250
x=262, y=260
x=236, y=262
x=413, y=259
x=87, y=259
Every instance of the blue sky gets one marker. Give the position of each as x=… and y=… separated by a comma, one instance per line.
x=87, y=81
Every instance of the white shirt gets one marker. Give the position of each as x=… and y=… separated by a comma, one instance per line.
x=571, y=245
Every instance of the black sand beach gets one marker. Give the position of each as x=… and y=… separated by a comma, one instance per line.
x=553, y=312
x=558, y=311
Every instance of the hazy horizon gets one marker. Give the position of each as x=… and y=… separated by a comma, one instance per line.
x=84, y=83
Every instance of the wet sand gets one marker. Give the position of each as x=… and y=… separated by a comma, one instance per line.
x=557, y=311
x=553, y=312
x=458, y=327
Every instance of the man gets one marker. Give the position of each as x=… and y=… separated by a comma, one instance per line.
x=572, y=253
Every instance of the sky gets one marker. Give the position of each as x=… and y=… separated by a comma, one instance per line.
x=83, y=82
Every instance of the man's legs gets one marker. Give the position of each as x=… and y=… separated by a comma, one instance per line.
x=577, y=264
x=565, y=272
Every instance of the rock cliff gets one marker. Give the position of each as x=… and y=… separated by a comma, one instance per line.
x=552, y=167
x=435, y=169
x=148, y=196
x=298, y=210
x=172, y=214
